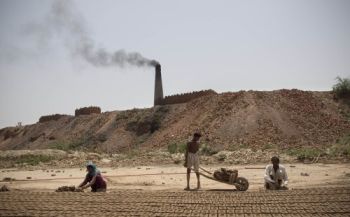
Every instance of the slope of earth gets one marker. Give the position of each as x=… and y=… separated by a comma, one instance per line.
x=303, y=202
x=249, y=119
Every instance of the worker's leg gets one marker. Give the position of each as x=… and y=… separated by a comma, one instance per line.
x=101, y=190
x=198, y=180
x=188, y=178
x=267, y=186
x=196, y=169
x=270, y=186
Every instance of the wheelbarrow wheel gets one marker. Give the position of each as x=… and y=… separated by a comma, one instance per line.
x=242, y=184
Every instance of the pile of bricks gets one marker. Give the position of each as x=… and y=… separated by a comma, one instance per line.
x=186, y=97
x=47, y=118
x=88, y=110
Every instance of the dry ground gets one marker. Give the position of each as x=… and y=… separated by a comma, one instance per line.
x=172, y=177
x=157, y=191
x=302, y=202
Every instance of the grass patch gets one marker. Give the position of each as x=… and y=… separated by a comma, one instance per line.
x=172, y=148
x=235, y=147
x=305, y=153
x=177, y=148
x=243, y=146
x=269, y=146
x=132, y=153
x=222, y=157
x=147, y=121
x=66, y=145
x=207, y=150
x=342, y=88
x=34, y=159
x=341, y=148
x=28, y=159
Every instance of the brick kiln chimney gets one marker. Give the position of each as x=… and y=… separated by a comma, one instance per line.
x=158, y=87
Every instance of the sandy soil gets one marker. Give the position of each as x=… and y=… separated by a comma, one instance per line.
x=294, y=203
x=173, y=177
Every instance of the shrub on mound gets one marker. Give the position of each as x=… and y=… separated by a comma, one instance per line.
x=88, y=110
x=342, y=88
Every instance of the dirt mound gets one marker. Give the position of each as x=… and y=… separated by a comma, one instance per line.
x=279, y=119
x=283, y=119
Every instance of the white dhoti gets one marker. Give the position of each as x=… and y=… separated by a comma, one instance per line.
x=193, y=161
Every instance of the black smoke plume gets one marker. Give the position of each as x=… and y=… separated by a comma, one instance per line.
x=65, y=22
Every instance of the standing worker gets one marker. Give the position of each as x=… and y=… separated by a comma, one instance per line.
x=93, y=179
x=276, y=177
x=192, y=159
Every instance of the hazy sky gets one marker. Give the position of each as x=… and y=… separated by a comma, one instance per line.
x=46, y=62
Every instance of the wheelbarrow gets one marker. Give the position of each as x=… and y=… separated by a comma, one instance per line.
x=240, y=183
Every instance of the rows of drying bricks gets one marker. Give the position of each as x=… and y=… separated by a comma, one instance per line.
x=315, y=202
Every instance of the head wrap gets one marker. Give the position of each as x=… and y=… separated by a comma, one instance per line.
x=94, y=169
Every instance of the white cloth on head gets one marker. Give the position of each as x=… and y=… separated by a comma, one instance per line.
x=193, y=161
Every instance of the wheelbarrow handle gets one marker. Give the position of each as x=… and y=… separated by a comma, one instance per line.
x=205, y=170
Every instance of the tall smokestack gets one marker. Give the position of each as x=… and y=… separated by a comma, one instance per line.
x=158, y=87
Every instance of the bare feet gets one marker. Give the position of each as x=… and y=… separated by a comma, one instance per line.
x=198, y=185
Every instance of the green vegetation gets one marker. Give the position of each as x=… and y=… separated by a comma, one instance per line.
x=132, y=153
x=235, y=147
x=207, y=150
x=177, y=148
x=242, y=146
x=28, y=159
x=172, y=148
x=34, y=159
x=67, y=145
x=341, y=148
x=342, y=88
x=222, y=157
x=146, y=121
x=269, y=146
x=305, y=153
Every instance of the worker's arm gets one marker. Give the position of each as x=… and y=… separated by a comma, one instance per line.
x=267, y=175
x=83, y=183
x=90, y=183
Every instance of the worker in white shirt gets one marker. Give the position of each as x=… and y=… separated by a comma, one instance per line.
x=276, y=177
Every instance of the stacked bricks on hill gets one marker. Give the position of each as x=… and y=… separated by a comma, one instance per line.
x=88, y=110
x=186, y=97
x=47, y=118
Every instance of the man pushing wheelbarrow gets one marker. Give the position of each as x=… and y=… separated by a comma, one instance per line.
x=223, y=175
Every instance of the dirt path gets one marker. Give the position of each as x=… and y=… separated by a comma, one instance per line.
x=174, y=178
x=302, y=202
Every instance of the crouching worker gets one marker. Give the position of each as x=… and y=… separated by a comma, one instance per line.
x=276, y=176
x=93, y=179
x=192, y=159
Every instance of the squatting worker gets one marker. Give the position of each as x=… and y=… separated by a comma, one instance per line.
x=192, y=159
x=276, y=177
x=93, y=179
